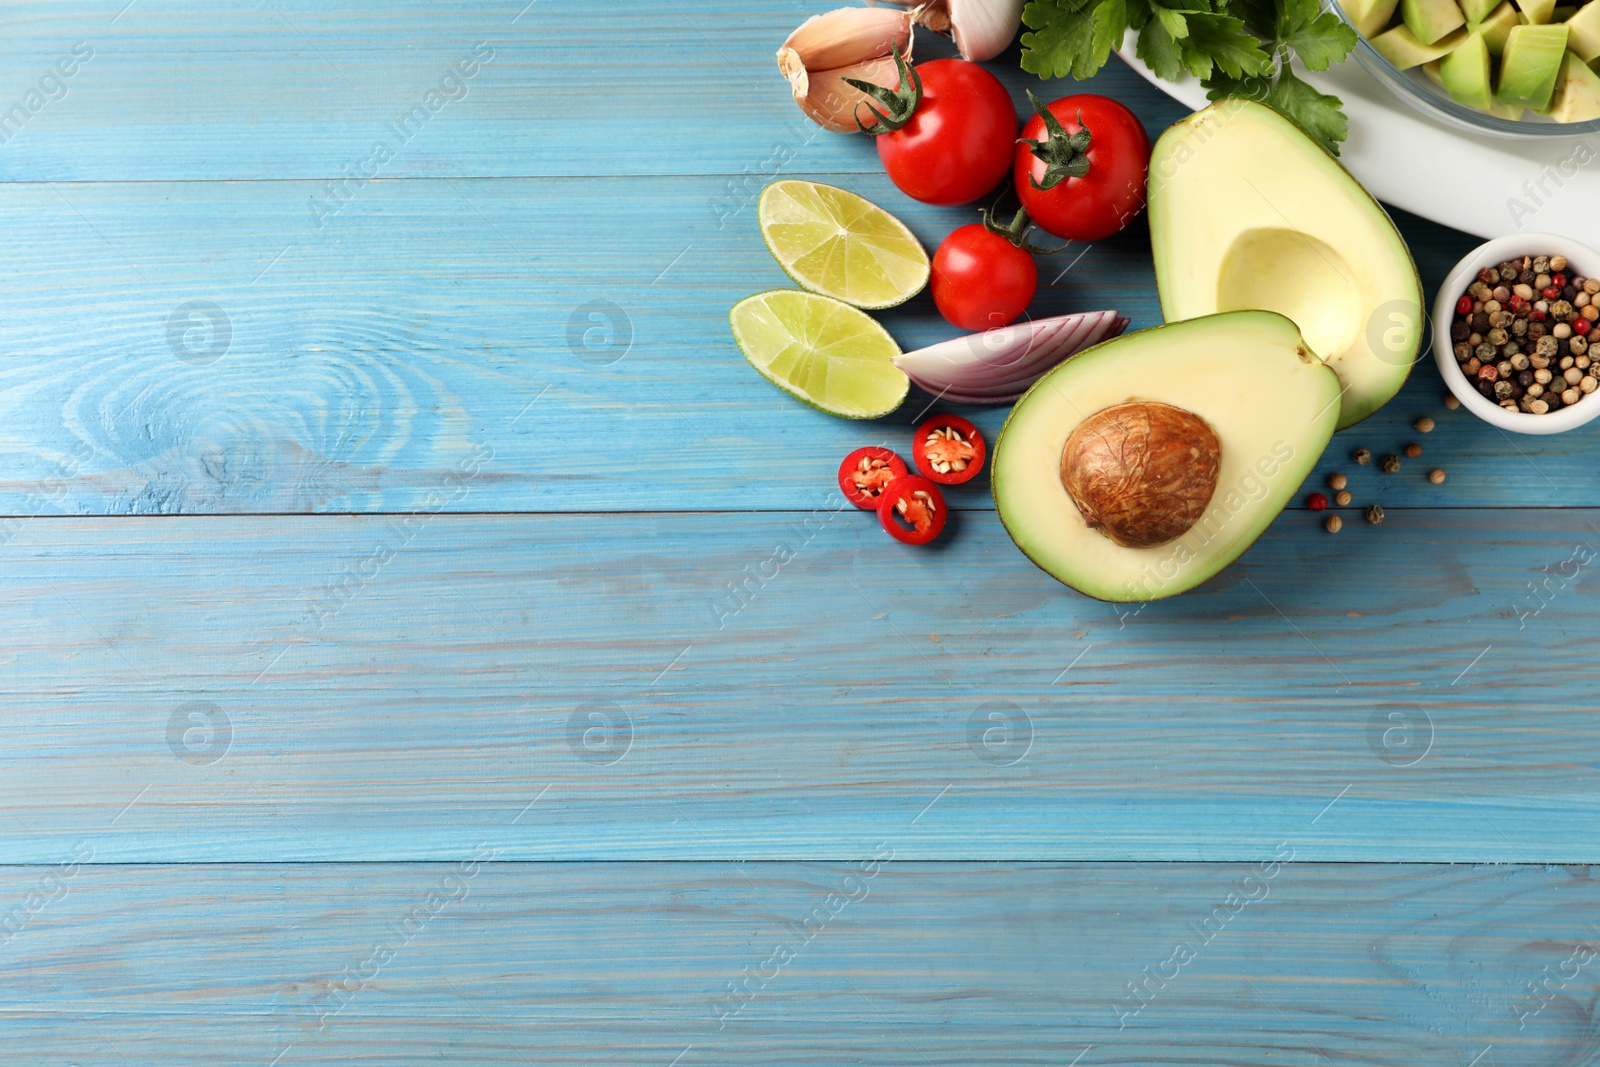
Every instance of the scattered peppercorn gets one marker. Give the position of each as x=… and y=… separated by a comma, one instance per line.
x=1317, y=502
x=1333, y=524
x=1342, y=498
x=1337, y=481
x=1374, y=514
x=1389, y=464
x=1452, y=402
x=1413, y=450
x=1425, y=424
x=1436, y=477
x=1361, y=456
x=1525, y=312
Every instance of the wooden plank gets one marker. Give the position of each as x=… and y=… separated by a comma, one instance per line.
x=886, y=963
x=788, y=687
x=189, y=89
x=239, y=359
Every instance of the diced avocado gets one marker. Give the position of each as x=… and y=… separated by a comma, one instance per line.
x=1477, y=10
x=1583, y=32
x=1246, y=211
x=1369, y=17
x=1465, y=73
x=1577, y=93
x=1498, y=25
x=1530, y=64
x=1401, y=47
x=1538, y=11
x=1430, y=20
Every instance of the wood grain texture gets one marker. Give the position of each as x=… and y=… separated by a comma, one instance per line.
x=1391, y=965
x=789, y=687
x=239, y=359
x=192, y=90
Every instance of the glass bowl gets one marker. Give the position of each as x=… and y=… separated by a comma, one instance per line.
x=1416, y=89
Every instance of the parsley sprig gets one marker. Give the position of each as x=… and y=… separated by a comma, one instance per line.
x=1236, y=47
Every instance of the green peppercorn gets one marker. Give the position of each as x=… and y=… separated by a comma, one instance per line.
x=1389, y=464
x=1374, y=514
x=1361, y=456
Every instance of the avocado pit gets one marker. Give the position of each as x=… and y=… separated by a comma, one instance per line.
x=1141, y=472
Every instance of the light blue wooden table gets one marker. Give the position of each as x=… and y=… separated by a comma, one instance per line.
x=392, y=673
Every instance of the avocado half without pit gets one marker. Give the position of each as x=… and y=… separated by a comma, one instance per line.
x=1247, y=212
x=1143, y=466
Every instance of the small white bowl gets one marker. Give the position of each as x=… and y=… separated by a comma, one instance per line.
x=1581, y=260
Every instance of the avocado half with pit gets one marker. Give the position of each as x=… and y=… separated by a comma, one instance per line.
x=1142, y=466
x=1248, y=212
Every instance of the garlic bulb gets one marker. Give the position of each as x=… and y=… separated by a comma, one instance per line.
x=981, y=28
x=852, y=42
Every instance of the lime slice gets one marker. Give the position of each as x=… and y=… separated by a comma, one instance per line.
x=822, y=351
x=835, y=243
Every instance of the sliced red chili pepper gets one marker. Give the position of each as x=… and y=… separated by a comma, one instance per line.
x=912, y=510
x=866, y=472
x=948, y=449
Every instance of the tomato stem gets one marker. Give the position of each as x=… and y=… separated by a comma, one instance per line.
x=1017, y=232
x=899, y=103
x=1065, y=155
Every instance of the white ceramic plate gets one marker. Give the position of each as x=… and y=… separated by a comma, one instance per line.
x=1483, y=186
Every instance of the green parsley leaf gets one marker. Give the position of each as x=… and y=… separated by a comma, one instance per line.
x=1160, y=52
x=1319, y=38
x=1071, y=36
x=1224, y=41
x=1316, y=113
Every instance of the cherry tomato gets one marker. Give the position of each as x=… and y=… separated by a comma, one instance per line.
x=1080, y=166
x=947, y=134
x=984, y=275
x=948, y=449
x=866, y=472
x=912, y=510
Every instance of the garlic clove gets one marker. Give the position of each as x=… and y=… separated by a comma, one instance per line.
x=847, y=43
x=982, y=29
x=832, y=104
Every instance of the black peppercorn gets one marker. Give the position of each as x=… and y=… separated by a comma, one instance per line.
x=1569, y=293
x=1526, y=277
x=1524, y=378
x=1480, y=321
x=1459, y=330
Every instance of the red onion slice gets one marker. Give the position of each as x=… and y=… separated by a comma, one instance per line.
x=997, y=366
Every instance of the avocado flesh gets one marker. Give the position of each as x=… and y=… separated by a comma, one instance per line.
x=1402, y=49
x=1430, y=20
x=1537, y=12
x=1248, y=374
x=1498, y=26
x=1464, y=73
x=1583, y=32
x=1530, y=64
x=1369, y=17
x=1577, y=93
x=1248, y=212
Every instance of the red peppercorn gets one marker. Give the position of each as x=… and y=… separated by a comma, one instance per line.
x=1488, y=372
x=1581, y=326
x=1551, y=293
x=1536, y=315
x=1464, y=306
x=1489, y=276
x=1317, y=502
x=1558, y=281
x=1516, y=303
